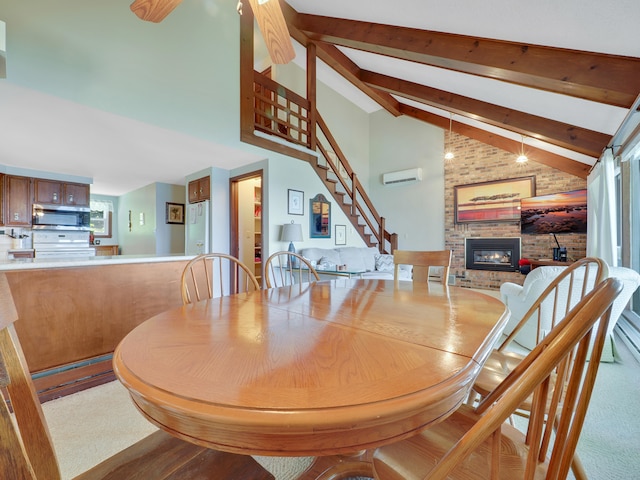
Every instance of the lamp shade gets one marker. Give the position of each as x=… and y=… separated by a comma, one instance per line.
x=291, y=232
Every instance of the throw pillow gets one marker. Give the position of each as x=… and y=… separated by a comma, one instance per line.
x=384, y=263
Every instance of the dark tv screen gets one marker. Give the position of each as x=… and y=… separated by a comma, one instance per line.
x=564, y=212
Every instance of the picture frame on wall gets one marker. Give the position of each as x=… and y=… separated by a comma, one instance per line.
x=175, y=213
x=494, y=201
x=341, y=234
x=295, y=202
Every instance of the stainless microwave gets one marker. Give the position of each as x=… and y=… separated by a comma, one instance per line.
x=61, y=217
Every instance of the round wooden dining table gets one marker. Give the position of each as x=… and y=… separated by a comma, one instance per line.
x=329, y=368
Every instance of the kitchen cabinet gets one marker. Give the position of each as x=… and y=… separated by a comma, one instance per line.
x=17, y=199
x=61, y=193
x=199, y=190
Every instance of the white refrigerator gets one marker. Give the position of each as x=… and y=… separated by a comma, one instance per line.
x=197, y=228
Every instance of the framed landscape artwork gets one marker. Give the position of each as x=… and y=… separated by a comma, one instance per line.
x=496, y=201
x=564, y=212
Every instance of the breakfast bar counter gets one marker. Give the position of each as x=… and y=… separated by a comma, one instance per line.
x=73, y=312
x=99, y=260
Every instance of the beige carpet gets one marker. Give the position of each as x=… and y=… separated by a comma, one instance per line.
x=89, y=426
x=92, y=425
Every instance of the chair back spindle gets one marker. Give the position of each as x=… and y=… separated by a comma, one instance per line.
x=215, y=275
x=288, y=268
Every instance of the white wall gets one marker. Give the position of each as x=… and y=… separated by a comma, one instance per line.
x=414, y=211
x=139, y=239
x=149, y=234
x=169, y=236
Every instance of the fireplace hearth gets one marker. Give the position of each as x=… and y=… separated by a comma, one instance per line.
x=497, y=254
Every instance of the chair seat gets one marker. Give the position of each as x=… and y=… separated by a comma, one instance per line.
x=161, y=456
x=495, y=370
x=413, y=458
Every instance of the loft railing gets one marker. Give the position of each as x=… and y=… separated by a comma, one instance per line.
x=282, y=113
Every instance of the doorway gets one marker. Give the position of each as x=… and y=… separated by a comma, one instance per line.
x=246, y=221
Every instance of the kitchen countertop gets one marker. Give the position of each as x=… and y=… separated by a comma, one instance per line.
x=34, y=263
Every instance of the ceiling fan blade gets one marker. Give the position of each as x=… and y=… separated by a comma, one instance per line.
x=274, y=30
x=153, y=10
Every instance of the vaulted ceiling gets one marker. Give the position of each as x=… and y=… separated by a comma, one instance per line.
x=92, y=90
x=488, y=87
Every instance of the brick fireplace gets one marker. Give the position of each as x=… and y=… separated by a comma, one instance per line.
x=478, y=162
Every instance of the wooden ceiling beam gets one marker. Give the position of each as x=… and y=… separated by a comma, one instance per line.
x=349, y=70
x=538, y=155
x=333, y=57
x=557, y=133
x=609, y=79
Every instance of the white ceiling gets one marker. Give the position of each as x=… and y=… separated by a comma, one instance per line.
x=95, y=92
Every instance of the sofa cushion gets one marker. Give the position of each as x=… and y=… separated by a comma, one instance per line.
x=384, y=263
x=352, y=258
x=358, y=259
x=330, y=255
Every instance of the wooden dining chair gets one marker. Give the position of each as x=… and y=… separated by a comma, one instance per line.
x=27, y=452
x=477, y=442
x=215, y=275
x=569, y=287
x=287, y=268
x=422, y=262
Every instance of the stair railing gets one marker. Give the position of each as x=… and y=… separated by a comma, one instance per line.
x=283, y=113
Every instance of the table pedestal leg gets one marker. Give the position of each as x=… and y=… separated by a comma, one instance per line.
x=340, y=467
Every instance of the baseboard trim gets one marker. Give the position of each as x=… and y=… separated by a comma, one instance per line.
x=74, y=377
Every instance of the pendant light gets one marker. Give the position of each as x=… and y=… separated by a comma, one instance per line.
x=448, y=156
x=522, y=158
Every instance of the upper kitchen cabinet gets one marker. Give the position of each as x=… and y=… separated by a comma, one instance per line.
x=199, y=190
x=61, y=193
x=17, y=200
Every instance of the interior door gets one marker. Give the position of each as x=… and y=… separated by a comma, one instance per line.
x=246, y=221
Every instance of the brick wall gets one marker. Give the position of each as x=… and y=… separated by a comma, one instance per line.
x=477, y=162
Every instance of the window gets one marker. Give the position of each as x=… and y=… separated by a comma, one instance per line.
x=634, y=216
x=101, y=213
x=618, y=186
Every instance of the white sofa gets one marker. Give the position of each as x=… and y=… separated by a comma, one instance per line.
x=367, y=259
x=520, y=298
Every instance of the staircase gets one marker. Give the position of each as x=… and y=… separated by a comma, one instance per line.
x=281, y=113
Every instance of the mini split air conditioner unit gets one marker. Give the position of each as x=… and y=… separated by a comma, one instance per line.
x=402, y=176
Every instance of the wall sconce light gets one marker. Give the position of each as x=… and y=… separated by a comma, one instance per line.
x=522, y=158
x=448, y=156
